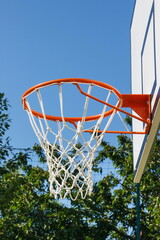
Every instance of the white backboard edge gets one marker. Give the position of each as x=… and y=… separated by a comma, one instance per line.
x=149, y=143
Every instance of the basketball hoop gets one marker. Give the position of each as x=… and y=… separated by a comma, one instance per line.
x=69, y=152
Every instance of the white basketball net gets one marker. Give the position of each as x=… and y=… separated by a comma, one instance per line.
x=69, y=160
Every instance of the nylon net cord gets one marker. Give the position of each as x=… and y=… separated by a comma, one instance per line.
x=69, y=164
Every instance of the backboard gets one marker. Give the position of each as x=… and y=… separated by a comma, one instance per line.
x=145, y=75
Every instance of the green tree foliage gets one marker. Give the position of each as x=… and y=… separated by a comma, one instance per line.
x=27, y=211
x=4, y=125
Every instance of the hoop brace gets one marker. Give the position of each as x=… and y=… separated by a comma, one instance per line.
x=139, y=103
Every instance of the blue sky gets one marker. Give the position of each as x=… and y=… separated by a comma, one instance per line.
x=43, y=40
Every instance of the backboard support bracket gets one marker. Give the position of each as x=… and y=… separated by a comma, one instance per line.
x=140, y=104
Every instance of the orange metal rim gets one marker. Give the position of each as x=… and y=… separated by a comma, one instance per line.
x=69, y=80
